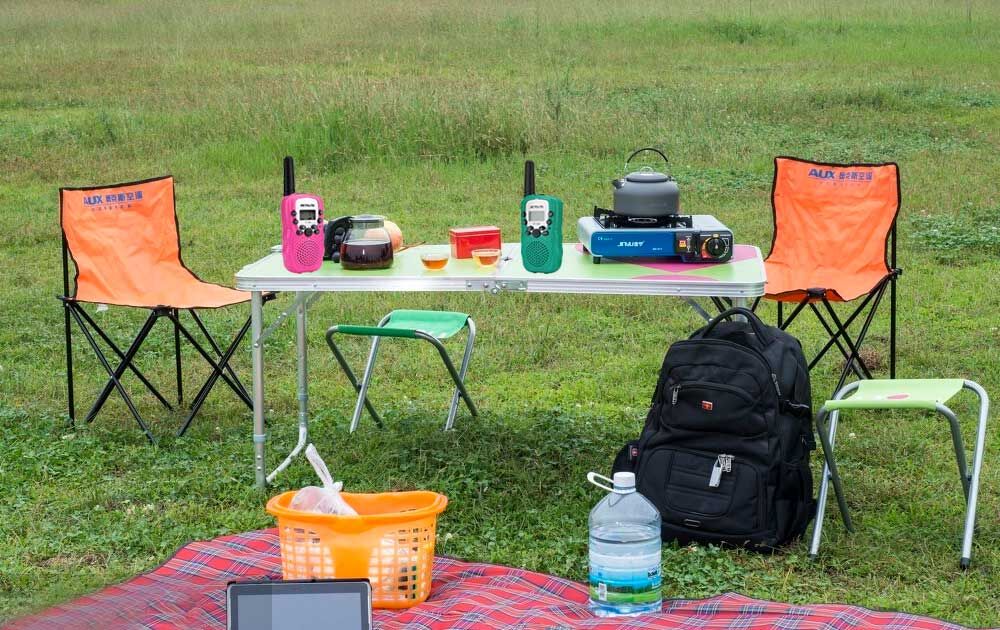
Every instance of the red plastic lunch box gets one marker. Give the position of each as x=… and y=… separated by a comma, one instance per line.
x=464, y=240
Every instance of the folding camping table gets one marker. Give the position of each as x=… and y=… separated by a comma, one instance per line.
x=738, y=280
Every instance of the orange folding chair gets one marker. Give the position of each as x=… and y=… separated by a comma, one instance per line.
x=124, y=241
x=835, y=241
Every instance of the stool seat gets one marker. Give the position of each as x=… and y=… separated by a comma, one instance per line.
x=406, y=323
x=914, y=393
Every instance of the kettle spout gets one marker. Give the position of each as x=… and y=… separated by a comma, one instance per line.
x=618, y=183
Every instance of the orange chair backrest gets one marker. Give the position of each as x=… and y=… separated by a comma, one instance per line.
x=833, y=218
x=123, y=240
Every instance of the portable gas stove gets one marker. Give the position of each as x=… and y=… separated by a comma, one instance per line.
x=692, y=238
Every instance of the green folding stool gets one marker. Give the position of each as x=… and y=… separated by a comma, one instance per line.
x=929, y=394
x=431, y=326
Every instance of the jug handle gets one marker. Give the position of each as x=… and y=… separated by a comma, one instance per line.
x=592, y=477
x=638, y=151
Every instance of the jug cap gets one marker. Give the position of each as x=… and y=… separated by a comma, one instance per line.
x=624, y=481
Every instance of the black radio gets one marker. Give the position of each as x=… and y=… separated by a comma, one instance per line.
x=335, y=232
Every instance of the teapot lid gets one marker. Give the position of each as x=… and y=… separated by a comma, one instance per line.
x=647, y=175
x=368, y=220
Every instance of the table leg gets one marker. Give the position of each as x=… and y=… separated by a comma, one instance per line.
x=740, y=302
x=301, y=306
x=257, y=352
x=693, y=303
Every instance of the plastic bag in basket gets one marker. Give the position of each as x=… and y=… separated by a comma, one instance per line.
x=325, y=500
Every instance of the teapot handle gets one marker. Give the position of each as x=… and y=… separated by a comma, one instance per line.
x=638, y=151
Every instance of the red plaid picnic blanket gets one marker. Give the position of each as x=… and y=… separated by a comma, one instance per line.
x=188, y=591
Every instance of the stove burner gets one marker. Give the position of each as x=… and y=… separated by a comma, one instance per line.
x=610, y=219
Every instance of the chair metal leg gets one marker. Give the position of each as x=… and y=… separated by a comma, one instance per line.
x=824, y=489
x=835, y=336
x=218, y=350
x=199, y=399
x=121, y=355
x=830, y=473
x=453, y=408
x=365, y=382
x=114, y=379
x=116, y=374
x=977, y=467
x=831, y=465
x=367, y=377
x=854, y=346
x=350, y=373
x=451, y=370
x=69, y=362
x=216, y=367
x=64, y=298
x=177, y=363
x=892, y=323
x=876, y=298
x=795, y=312
x=850, y=320
x=956, y=440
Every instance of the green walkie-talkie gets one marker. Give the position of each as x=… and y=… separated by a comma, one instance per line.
x=541, y=227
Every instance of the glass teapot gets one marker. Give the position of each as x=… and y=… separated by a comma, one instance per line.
x=367, y=244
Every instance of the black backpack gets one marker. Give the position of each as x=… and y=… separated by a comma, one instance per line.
x=724, y=454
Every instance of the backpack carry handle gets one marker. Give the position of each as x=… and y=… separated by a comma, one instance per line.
x=758, y=326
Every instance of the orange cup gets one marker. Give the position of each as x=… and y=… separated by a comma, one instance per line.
x=486, y=257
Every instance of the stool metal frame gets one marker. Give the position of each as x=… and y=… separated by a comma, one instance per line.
x=970, y=482
x=458, y=376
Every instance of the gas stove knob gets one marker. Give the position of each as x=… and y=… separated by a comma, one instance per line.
x=714, y=247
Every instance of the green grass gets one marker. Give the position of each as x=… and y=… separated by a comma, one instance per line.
x=425, y=111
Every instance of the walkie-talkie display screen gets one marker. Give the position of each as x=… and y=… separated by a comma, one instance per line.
x=307, y=215
x=535, y=216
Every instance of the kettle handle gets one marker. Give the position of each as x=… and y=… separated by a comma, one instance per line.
x=638, y=151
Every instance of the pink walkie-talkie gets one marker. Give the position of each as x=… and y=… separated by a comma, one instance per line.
x=301, y=226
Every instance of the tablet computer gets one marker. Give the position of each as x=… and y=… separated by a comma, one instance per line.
x=295, y=604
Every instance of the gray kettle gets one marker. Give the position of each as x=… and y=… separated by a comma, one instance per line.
x=646, y=193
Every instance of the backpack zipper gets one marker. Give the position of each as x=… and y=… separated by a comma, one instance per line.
x=676, y=389
x=753, y=351
x=723, y=464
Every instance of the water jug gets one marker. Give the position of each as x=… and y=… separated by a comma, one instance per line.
x=624, y=550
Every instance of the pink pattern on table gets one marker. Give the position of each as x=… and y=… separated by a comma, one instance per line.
x=675, y=278
x=897, y=396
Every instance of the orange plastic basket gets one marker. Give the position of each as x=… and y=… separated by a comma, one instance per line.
x=390, y=542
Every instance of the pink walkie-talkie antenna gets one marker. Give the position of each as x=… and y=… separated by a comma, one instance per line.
x=289, y=176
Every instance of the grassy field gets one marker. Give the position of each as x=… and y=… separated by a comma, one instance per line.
x=424, y=111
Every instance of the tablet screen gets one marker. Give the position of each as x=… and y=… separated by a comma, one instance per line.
x=278, y=605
